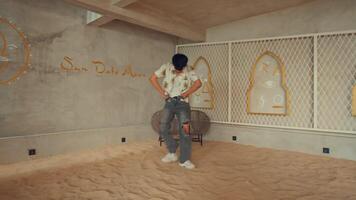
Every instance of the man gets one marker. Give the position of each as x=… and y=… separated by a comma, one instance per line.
x=178, y=83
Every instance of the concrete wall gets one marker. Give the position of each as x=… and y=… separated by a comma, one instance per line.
x=49, y=100
x=57, y=112
x=316, y=16
x=311, y=142
x=15, y=149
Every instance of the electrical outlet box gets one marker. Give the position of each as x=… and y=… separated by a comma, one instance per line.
x=234, y=138
x=326, y=150
x=123, y=140
x=32, y=152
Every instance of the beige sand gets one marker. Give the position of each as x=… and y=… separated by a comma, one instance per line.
x=225, y=171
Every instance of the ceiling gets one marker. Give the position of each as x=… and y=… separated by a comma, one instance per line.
x=187, y=19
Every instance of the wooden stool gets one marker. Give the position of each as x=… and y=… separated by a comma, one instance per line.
x=199, y=125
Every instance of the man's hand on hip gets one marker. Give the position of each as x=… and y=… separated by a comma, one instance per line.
x=164, y=95
x=184, y=95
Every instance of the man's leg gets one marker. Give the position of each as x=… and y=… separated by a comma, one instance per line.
x=165, y=125
x=185, y=140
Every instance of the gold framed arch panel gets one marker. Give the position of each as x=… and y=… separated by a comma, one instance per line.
x=267, y=93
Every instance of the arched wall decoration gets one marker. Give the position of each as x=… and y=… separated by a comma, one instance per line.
x=204, y=96
x=14, y=52
x=267, y=92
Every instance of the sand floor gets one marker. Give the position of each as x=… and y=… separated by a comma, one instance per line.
x=224, y=171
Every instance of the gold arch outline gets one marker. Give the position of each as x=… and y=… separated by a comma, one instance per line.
x=210, y=89
x=3, y=52
x=26, y=47
x=4, y=41
x=283, y=82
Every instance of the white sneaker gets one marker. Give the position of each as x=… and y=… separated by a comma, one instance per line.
x=170, y=157
x=187, y=164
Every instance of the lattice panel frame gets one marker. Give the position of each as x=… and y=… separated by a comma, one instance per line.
x=336, y=78
x=217, y=57
x=320, y=74
x=297, y=56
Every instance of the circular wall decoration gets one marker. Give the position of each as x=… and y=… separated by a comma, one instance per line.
x=14, y=52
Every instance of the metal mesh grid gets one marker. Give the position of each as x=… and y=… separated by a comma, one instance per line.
x=336, y=77
x=217, y=56
x=297, y=56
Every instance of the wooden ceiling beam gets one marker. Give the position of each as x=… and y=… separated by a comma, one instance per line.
x=170, y=25
x=96, y=19
x=122, y=3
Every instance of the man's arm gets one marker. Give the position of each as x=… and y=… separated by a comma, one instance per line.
x=157, y=86
x=196, y=85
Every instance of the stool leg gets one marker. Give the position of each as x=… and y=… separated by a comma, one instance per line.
x=201, y=139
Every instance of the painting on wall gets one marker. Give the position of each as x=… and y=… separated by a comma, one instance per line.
x=204, y=96
x=14, y=52
x=267, y=92
x=354, y=101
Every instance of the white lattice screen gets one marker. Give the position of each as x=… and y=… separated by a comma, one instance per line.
x=336, y=77
x=320, y=74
